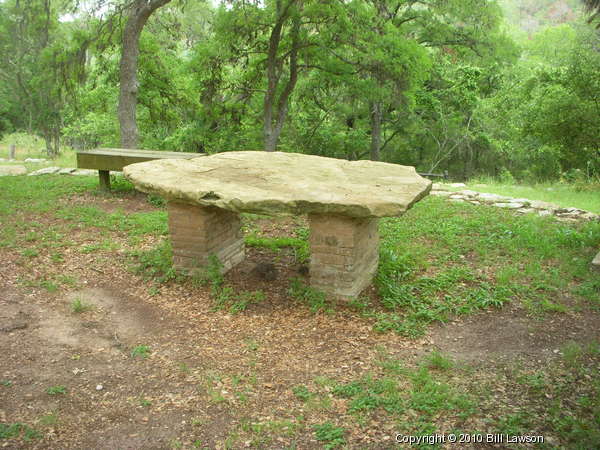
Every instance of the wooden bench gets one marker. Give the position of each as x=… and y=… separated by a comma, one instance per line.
x=106, y=159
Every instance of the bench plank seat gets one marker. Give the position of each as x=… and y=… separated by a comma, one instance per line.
x=106, y=159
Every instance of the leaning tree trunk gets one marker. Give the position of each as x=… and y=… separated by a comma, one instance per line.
x=140, y=11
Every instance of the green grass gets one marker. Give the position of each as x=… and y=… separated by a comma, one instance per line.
x=143, y=351
x=56, y=390
x=445, y=259
x=18, y=430
x=563, y=194
x=80, y=306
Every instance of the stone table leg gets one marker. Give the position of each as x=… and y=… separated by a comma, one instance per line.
x=198, y=232
x=344, y=253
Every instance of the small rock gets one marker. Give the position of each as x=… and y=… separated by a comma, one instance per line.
x=439, y=187
x=66, y=171
x=84, y=172
x=544, y=212
x=458, y=185
x=509, y=205
x=440, y=193
x=525, y=210
x=596, y=263
x=468, y=193
x=99, y=387
x=590, y=216
x=537, y=204
x=44, y=171
x=457, y=196
x=12, y=170
x=492, y=198
x=35, y=160
x=525, y=201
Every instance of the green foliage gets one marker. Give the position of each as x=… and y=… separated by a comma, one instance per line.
x=18, y=429
x=79, y=306
x=330, y=435
x=56, y=390
x=143, y=351
x=315, y=299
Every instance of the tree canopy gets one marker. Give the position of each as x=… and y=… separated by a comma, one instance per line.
x=472, y=87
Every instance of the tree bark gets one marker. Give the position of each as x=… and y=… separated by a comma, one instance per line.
x=140, y=11
x=376, y=119
x=273, y=125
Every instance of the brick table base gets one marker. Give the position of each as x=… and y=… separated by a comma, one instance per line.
x=198, y=232
x=344, y=253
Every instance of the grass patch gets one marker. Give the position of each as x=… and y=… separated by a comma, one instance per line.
x=56, y=390
x=142, y=351
x=18, y=430
x=562, y=194
x=444, y=259
x=80, y=306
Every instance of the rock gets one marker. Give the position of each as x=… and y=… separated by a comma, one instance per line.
x=35, y=160
x=509, y=205
x=596, y=263
x=525, y=210
x=458, y=185
x=283, y=183
x=457, y=196
x=544, y=212
x=84, y=172
x=99, y=387
x=12, y=170
x=44, y=171
x=537, y=204
x=439, y=187
x=66, y=171
x=525, y=201
x=441, y=193
x=469, y=193
x=590, y=216
x=492, y=198
x=457, y=200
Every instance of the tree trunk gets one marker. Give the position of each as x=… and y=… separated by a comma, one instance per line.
x=273, y=125
x=139, y=13
x=376, y=119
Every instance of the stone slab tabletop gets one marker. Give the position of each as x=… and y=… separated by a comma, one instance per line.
x=283, y=183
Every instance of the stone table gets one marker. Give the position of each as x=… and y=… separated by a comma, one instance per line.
x=343, y=201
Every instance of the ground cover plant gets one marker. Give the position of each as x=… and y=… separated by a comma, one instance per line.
x=479, y=321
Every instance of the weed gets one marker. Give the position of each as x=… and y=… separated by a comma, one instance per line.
x=302, y=393
x=298, y=244
x=144, y=402
x=436, y=360
x=6, y=383
x=143, y=351
x=315, y=299
x=79, y=306
x=330, y=435
x=156, y=263
x=156, y=200
x=536, y=380
x=30, y=253
x=49, y=419
x=15, y=430
x=246, y=298
x=56, y=390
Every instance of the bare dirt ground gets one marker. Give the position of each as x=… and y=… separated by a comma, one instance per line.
x=208, y=371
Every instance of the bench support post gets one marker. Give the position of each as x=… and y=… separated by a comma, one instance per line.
x=198, y=232
x=104, y=177
x=344, y=253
